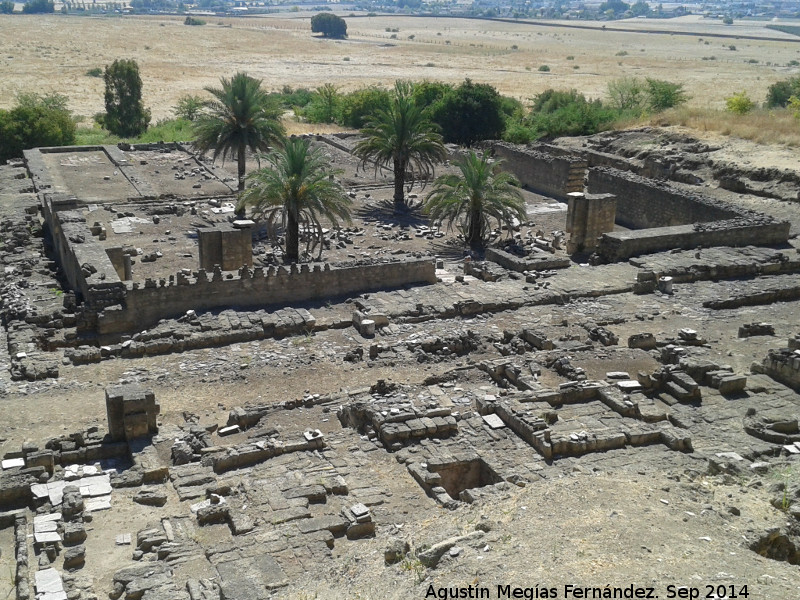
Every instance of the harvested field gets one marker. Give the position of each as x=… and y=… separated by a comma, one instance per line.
x=176, y=60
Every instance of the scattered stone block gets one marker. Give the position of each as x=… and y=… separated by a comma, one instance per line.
x=74, y=557
x=151, y=497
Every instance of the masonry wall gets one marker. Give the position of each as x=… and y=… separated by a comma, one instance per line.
x=145, y=305
x=646, y=203
x=85, y=262
x=758, y=231
x=541, y=172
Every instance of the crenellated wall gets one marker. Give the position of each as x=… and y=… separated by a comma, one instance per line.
x=155, y=300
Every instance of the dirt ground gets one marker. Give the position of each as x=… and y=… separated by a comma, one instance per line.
x=175, y=59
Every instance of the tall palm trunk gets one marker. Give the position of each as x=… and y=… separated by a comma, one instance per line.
x=292, y=239
x=399, y=184
x=241, y=213
x=474, y=237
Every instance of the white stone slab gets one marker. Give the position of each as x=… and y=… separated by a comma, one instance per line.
x=101, y=503
x=55, y=489
x=45, y=526
x=48, y=581
x=493, y=421
x=792, y=449
x=43, y=518
x=98, y=485
x=39, y=490
x=53, y=596
x=47, y=537
x=13, y=463
x=312, y=434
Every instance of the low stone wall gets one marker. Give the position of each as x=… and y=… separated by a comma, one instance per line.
x=146, y=305
x=758, y=231
x=647, y=203
x=512, y=262
x=542, y=172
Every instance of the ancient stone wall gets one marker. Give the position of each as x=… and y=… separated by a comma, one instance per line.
x=758, y=231
x=646, y=203
x=553, y=176
x=85, y=262
x=146, y=305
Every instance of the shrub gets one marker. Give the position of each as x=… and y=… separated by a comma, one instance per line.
x=94, y=72
x=739, y=103
x=558, y=113
x=627, y=94
x=359, y=106
x=35, y=121
x=188, y=107
x=324, y=106
x=193, y=21
x=727, y=20
x=794, y=105
x=622, y=53
x=38, y=6
x=544, y=69
x=664, y=94
x=779, y=93
x=329, y=25
x=6, y=7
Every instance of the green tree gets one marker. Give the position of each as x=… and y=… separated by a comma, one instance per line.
x=36, y=121
x=189, y=107
x=627, y=94
x=6, y=7
x=125, y=115
x=239, y=117
x=778, y=93
x=402, y=136
x=478, y=195
x=640, y=9
x=38, y=6
x=739, y=103
x=662, y=94
x=470, y=113
x=296, y=189
x=329, y=25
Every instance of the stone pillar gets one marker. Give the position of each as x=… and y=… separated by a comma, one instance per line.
x=131, y=411
x=588, y=217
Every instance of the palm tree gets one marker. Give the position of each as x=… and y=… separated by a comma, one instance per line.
x=478, y=195
x=299, y=188
x=239, y=117
x=401, y=135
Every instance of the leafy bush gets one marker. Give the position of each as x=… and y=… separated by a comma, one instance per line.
x=94, y=72
x=324, y=105
x=329, y=25
x=662, y=95
x=544, y=69
x=739, y=103
x=779, y=93
x=6, y=7
x=193, y=21
x=357, y=107
x=36, y=121
x=794, y=104
x=38, y=6
x=627, y=94
x=291, y=98
x=727, y=20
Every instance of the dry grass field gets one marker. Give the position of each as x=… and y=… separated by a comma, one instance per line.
x=176, y=59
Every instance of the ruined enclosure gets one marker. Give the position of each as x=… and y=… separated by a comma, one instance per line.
x=189, y=429
x=456, y=477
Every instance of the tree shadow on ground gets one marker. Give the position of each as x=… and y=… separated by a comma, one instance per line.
x=383, y=213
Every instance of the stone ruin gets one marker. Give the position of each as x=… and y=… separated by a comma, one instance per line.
x=248, y=506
